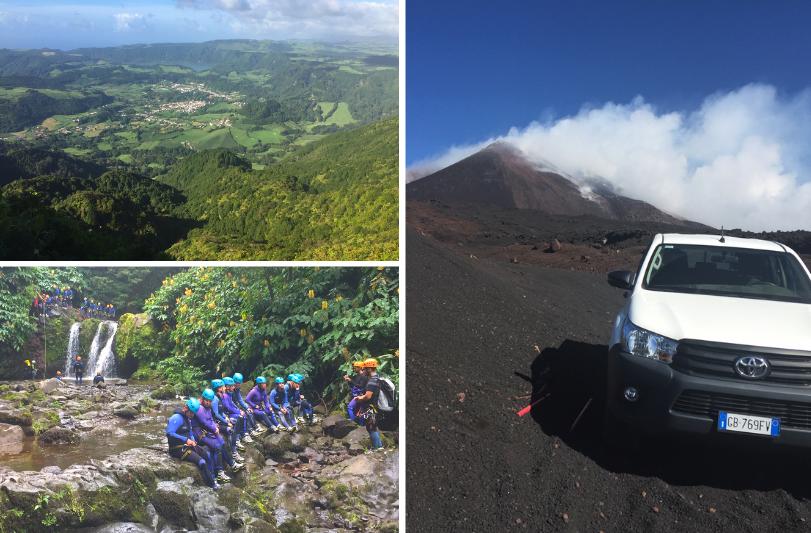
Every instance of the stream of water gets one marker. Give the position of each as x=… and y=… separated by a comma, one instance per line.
x=120, y=436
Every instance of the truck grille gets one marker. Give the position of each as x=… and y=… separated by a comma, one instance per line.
x=791, y=414
x=788, y=367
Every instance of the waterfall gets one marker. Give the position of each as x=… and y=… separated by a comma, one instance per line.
x=105, y=365
x=101, y=357
x=73, y=346
x=95, y=346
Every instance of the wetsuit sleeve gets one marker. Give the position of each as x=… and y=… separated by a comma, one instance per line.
x=215, y=409
x=174, y=424
x=273, y=396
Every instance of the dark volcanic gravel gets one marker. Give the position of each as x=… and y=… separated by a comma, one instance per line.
x=484, y=338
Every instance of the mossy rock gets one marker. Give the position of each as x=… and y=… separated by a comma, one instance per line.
x=164, y=393
x=138, y=338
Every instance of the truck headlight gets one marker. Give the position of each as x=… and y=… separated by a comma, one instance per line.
x=645, y=343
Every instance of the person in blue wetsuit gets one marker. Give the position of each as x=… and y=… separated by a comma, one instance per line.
x=358, y=385
x=281, y=406
x=238, y=418
x=183, y=442
x=78, y=369
x=211, y=437
x=298, y=403
x=236, y=396
x=257, y=399
x=227, y=429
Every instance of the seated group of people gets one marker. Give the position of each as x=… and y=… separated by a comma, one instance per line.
x=91, y=309
x=211, y=430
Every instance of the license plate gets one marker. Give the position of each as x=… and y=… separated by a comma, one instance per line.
x=757, y=425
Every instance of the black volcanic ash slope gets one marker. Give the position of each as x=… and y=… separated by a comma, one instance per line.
x=475, y=330
x=500, y=176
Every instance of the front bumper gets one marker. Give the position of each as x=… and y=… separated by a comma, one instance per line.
x=673, y=401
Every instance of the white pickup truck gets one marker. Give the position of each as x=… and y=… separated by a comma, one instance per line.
x=714, y=338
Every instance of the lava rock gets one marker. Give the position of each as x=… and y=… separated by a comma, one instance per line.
x=127, y=411
x=11, y=438
x=337, y=426
x=59, y=435
x=173, y=503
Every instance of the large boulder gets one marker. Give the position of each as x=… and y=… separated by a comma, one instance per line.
x=49, y=385
x=59, y=435
x=357, y=440
x=127, y=411
x=337, y=426
x=11, y=439
x=10, y=414
x=172, y=500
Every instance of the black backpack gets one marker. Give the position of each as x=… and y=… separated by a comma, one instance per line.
x=387, y=399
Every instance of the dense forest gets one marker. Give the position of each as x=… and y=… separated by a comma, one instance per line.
x=183, y=326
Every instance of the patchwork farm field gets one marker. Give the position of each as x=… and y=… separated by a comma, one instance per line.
x=176, y=104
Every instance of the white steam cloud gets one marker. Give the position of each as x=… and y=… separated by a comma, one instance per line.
x=743, y=159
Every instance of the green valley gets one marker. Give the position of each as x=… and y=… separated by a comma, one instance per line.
x=220, y=150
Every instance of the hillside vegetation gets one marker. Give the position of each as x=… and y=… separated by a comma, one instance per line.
x=335, y=198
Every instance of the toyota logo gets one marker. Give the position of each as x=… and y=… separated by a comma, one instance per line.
x=751, y=366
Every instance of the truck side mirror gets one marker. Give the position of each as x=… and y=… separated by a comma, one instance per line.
x=621, y=279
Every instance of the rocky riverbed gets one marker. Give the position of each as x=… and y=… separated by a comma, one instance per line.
x=85, y=459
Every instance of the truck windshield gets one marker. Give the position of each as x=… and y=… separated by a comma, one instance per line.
x=736, y=272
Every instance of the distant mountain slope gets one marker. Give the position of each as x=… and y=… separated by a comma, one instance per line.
x=500, y=176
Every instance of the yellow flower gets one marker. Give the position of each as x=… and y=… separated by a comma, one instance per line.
x=303, y=332
x=234, y=284
x=339, y=298
x=266, y=343
x=396, y=353
x=221, y=343
x=184, y=308
x=212, y=305
x=187, y=292
x=324, y=305
x=177, y=300
x=232, y=324
x=311, y=293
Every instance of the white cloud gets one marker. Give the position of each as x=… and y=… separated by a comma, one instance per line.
x=129, y=21
x=308, y=18
x=741, y=160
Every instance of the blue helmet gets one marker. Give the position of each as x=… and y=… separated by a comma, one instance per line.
x=217, y=383
x=260, y=380
x=291, y=377
x=208, y=394
x=228, y=381
x=279, y=380
x=193, y=404
x=299, y=377
x=238, y=378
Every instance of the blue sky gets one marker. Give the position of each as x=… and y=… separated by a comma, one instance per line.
x=702, y=108
x=477, y=68
x=78, y=23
